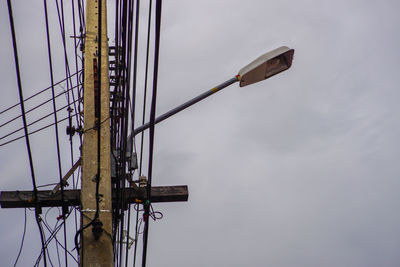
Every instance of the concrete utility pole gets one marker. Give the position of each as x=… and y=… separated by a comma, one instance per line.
x=96, y=251
x=96, y=246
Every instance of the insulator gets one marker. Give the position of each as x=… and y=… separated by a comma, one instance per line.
x=142, y=181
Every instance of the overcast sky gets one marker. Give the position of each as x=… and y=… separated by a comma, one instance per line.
x=299, y=170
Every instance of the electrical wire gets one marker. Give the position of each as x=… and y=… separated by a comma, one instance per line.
x=124, y=142
x=54, y=232
x=36, y=107
x=73, y=95
x=119, y=125
x=56, y=120
x=38, y=93
x=151, y=130
x=66, y=63
x=99, y=38
x=10, y=14
x=47, y=225
x=53, y=236
x=97, y=178
x=30, y=133
x=22, y=241
x=143, y=119
x=120, y=12
x=34, y=122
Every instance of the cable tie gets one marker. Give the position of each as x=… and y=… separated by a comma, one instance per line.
x=91, y=210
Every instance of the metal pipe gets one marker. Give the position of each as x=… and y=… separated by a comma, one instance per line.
x=187, y=104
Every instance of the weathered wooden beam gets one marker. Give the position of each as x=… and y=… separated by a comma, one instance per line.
x=66, y=176
x=24, y=199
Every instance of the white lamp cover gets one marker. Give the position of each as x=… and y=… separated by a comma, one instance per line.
x=267, y=65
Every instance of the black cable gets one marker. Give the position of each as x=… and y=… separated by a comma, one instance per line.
x=10, y=14
x=34, y=122
x=38, y=93
x=45, y=185
x=124, y=73
x=127, y=235
x=97, y=179
x=47, y=249
x=143, y=119
x=145, y=85
x=123, y=144
x=67, y=70
x=55, y=120
x=134, y=78
x=34, y=108
x=73, y=95
x=82, y=45
x=151, y=130
x=22, y=241
x=46, y=224
x=115, y=109
x=81, y=7
x=52, y=236
x=99, y=38
x=52, y=231
x=38, y=130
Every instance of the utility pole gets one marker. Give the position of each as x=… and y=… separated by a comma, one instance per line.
x=96, y=249
x=96, y=198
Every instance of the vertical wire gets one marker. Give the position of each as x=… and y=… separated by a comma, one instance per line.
x=77, y=82
x=21, y=98
x=97, y=195
x=151, y=130
x=115, y=107
x=114, y=102
x=99, y=38
x=123, y=133
x=56, y=123
x=126, y=121
x=143, y=121
x=134, y=78
x=123, y=74
x=22, y=241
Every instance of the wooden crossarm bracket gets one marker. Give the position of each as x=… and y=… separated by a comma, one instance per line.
x=67, y=175
x=46, y=198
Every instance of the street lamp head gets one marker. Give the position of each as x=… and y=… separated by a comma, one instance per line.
x=267, y=65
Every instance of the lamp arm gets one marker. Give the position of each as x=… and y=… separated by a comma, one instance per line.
x=187, y=104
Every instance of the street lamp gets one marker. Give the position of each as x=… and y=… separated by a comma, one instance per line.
x=262, y=68
x=266, y=66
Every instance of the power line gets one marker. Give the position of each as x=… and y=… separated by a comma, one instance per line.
x=38, y=93
x=98, y=102
x=55, y=120
x=123, y=140
x=143, y=119
x=36, y=121
x=38, y=130
x=36, y=107
x=73, y=95
x=10, y=14
x=53, y=236
x=22, y=240
x=151, y=131
x=66, y=63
